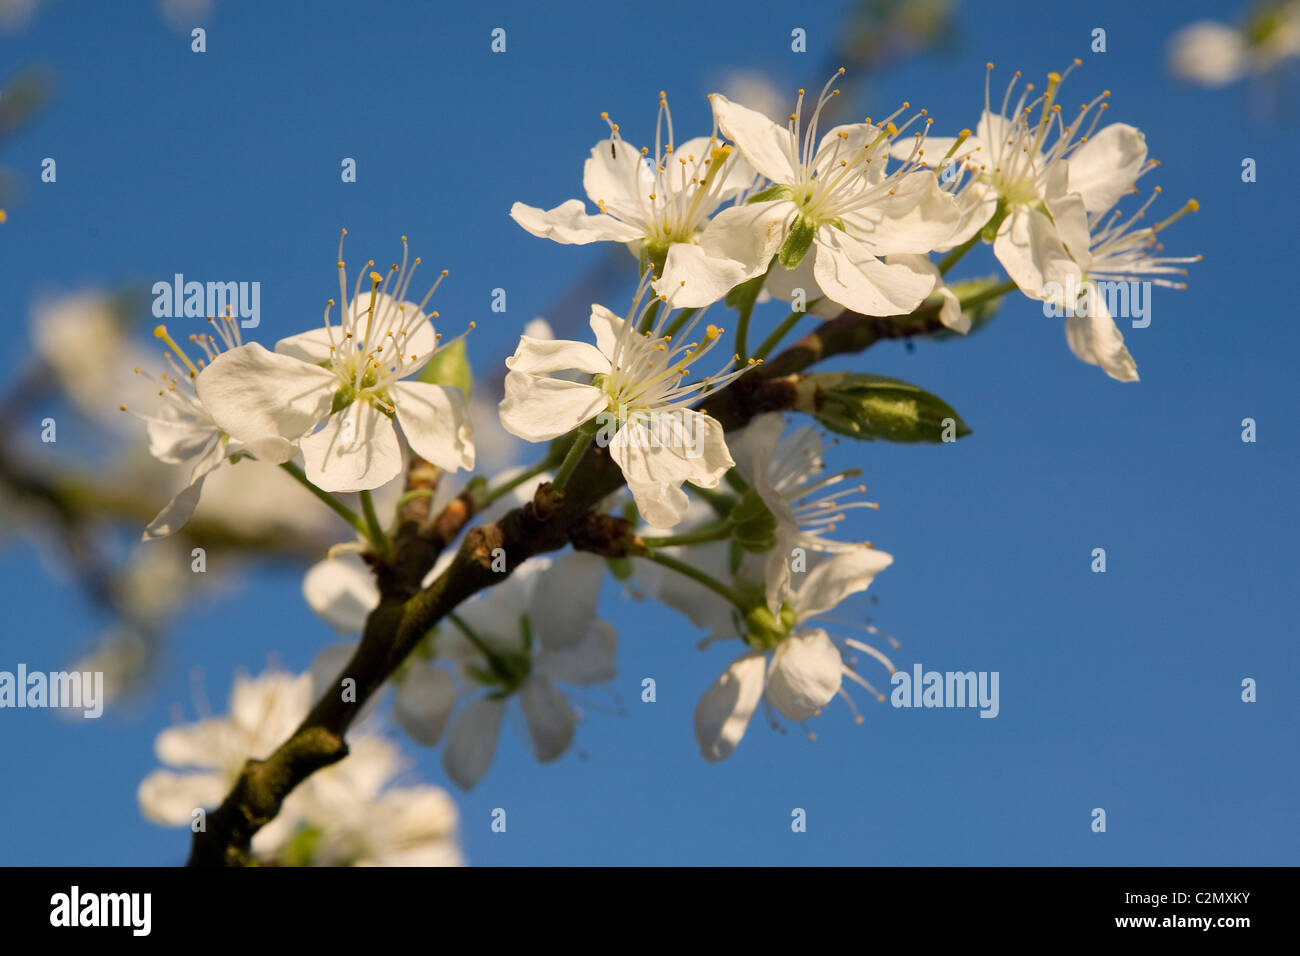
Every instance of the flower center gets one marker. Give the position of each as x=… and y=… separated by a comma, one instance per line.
x=1020, y=155
x=683, y=190
x=648, y=371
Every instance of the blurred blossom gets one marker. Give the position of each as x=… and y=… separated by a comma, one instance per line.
x=758, y=92
x=15, y=15
x=122, y=655
x=258, y=500
x=346, y=814
x=1214, y=54
x=82, y=339
x=185, y=14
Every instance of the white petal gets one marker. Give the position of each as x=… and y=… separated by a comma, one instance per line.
x=435, y=421
x=1106, y=167
x=783, y=283
x=411, y=826
x=704, y=607
x=176, y=440
x=937, y=149
x=342, y=592
x=658, y=455
x=550, y=718
x=537, y=408
x=918, y=216
x=618, y=177
x=693, y=279
x=749, y=234
x=830, y=581
x=357, y=449
x=564, y=603
x=724, y=711
x=592, y=662
x=538, y=356
x=776, y=569
x=1069, y=215
x=175, y=513
x=849, y=274
x=950, y=313
x=473, y=742
x=170, y=799
x=608, y=327
x=265, y=400
x=660, y=506
x=976, y=203
x=1031, y=250
x=569, y=223
x=266, y=709
x=311, y=346
x=805, y=674
x=423, y=701
x=753, y=446
x=764, y=145
x=327, y=665
x=206, y=743
x=1097, y=340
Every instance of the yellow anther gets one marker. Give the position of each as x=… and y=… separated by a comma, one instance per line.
x=161, y=333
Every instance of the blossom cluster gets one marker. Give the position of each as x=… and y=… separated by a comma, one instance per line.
x=736, y=530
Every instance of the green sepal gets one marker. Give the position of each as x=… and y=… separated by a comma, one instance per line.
x=875, y=407
x=797, y=242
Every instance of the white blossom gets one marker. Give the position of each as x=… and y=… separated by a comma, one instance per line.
x=338, y=391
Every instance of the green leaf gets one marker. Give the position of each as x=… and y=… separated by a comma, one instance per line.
x=875, y=407
x=449, y=366
x=797, y=243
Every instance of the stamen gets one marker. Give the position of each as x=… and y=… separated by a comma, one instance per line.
x=161, y=333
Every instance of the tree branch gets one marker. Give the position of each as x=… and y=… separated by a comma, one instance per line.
x=406, y=611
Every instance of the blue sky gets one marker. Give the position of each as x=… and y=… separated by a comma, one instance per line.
x=1118, y=690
